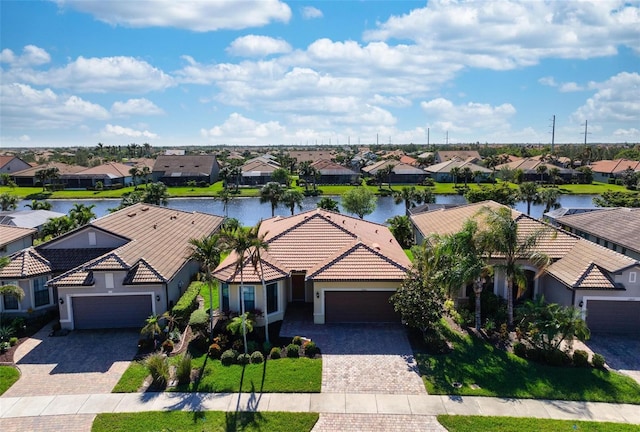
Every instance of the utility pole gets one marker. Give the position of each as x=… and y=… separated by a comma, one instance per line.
x=553, y=133
x=585, y=132
x=377, y=139
x=447, y=138
x=427, y=137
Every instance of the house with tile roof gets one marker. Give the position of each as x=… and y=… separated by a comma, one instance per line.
x=12, y=164
x=529, y=167
x=258, y=171
x=441, y=172
x=13, y=238
x=401, y=173
x=346, y=267
x=113, y=272
x=445, y=155
x=333, y=173
x=312, y=155
x=617, y=229
x=109, y=174
x=28, y=176
x=603, y=283
x=604, y=170
x=178, y=170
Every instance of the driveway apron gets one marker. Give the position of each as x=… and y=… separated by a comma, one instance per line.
x=80, y=363
x=362, y=358
x=621, y=352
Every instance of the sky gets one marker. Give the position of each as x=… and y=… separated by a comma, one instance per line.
x=272, y=72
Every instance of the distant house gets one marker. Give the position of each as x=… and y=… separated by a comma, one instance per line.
x=179, y=170
x=603, y=284
x=617, y=229
x=347, y=268
x=28, y=177
x=113, y=272
x=529, y=167
x=258, y=171
x=312, y=155
x=108, y=174
x=13, y=239
x=12, y=164
x=552, y=216
x=409, y=160
x=445, y=155
x=441, y=172
x=401, y=173
x=609, y=169
x=28, y=218
x=333, y=173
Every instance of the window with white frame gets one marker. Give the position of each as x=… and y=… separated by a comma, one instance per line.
x=272, y=297
x=9, y=301
x=92, y=238
x=632, y=277
x=249, y=293
x=225, y=296
x=108, y=280
x=40, y=292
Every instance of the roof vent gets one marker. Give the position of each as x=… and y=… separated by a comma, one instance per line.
x=144, y=208
x=132, y=214
x=376, y=230
x=376, y=246
x=154, y=226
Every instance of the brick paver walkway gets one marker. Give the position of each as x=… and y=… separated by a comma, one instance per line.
x=377, y=422
x=66, y=423
x=79, y=363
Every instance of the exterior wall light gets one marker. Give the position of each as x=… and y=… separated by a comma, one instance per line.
x=61, y=300
x=317, y=294
x=157, y=298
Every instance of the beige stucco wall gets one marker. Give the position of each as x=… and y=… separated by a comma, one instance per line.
x=80, y=240
x=555, y=291
x=27, y=305
x=320, y=288
x=630, y=278
x=260, y=300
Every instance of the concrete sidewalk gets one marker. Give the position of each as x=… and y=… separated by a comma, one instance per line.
x=336, y=403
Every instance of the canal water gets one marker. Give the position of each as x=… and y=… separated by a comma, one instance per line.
x=249, y=210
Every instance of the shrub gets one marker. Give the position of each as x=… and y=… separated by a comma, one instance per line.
x=597, y=360
x=183, y=371
x=275, y=353
x=215, y=351
x=158, y=366
x=556, y=358
x=252, y=346
x=266, y=347
x=297, y=340
x=244, y=359
x=293, y=351
x=187, y=303
x=238, y=345
x=228, y=357
x=311, y=349
x=257, y=357
x=222, y=340
x=520, y=350
x=167, y=346
x=580, y=358
x=13, y=340
x=199, y=318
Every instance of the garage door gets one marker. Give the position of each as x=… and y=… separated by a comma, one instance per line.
x=359, y=306
x=111, y=311
x=613, y=316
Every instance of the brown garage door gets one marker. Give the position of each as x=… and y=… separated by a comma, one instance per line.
x=613, y=316
x=359, y=306
x=111, y=311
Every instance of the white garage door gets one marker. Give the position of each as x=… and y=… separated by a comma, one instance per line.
x=111, y=311
x=613, y=316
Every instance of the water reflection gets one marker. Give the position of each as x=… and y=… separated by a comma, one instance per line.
x=249, y=210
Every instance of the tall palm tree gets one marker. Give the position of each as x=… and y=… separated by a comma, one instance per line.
x=466, y=173
x=549, y=197
x=258, y=244
x=145, y=172
x=304, y=170
x=554, y=174
x=225, y=197
x=528, y=192
x=501, y=238
x=135, y=173
x=387, y=172
x=455, y=173
x=39, y=205
x=541, y=169
x=82, y=214
x=271, y=193
x=207, y=252
x=292, y=198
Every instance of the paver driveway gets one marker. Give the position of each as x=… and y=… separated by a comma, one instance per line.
x=79, y=363
x=362, y=358
x=621, y=352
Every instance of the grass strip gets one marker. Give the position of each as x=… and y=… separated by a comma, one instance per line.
x=455, y=423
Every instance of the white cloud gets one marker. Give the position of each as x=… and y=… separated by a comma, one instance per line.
x=238, y=129
x=631, y=134
x=475, y=118
x=509, y=34
x=309, y=12
x=31, y=56
x=258, y=46
x=24, y=138
x=548, y=81
x=26, y=107
x=392, y=101
x=570, y=87
x=616, y=100
x=135, y=107
x=199, y=16
x=99, y=75
x=119, y=131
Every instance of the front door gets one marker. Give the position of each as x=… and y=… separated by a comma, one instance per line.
x=297, y=287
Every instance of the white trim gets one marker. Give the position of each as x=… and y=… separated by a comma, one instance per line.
x=68, y=301
x=632, y=277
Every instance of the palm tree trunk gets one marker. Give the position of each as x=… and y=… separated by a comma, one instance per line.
x=210, y=311
x=244, y=317
x=266, y=309
x=510, y=301
x=477, y=289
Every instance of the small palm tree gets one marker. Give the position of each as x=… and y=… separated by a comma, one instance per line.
x=258, y=244
x=528, y=192
x=292, y=198
x=39, y=205
x=272, y=193
x=207, y=252
x=151, y=327
x=327, y=203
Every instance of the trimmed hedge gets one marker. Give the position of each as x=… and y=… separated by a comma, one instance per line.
x=185, y=306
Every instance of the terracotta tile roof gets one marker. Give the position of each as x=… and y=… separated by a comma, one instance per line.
x=445, y=167
x=460, y=154
x=258, y=166
x=5, y=160
x=158, y=236
x=272, y=270
x=554, y=243
x=62, y=169
x=408, y=160
x=327, y=167
x=614, y=166
x=617, y=225
x=26, y=263
x=9, y=234
x=318, y=239
x=110, y=169
x=450, y=220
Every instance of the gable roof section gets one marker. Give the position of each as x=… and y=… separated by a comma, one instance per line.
x=445, y=167
x=316, y=241
x=617, y=225
x=327, y=167
x=445, y=155
x=26, y=263
x=190, y=165
x=110, y=169
x=63, y=168
x=10, y=234
x=614, y=166
x=258, y=167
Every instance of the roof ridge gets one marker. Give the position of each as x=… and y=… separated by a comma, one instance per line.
x=316, y=214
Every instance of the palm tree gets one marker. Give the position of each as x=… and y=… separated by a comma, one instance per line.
x=157, y=194
x=502, y=238
x=554, y=173
x=292, y=198
x=271, y=193
x=466, y=174
x=258, y=244
x=145, y=172
x=8, y=202
x=455, y=173
x=81, y=214
x=304, y=170
x=39, y=205
x=549, y=197
x=225, y=197
x=412, y=197
x=151, y=327
x=467, y=263
x=10, y=290
x=207, y=252
x=135, y=173
x=327, y=203
x=541, y=169
x=387, y=172
x=528, y=191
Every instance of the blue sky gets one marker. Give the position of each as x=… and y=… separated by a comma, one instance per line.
x=241, y=72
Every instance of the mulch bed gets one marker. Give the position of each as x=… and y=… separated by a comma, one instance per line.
x=7, y=356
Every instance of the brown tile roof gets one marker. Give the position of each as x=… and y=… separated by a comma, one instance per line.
x=63, y=168
x=26, y=263
x=143, y=273
x=617, y=225
x=444, y=155
x=184, y=165
x=259, y=166
x=327, y=167
x=158, y=236
x=9, y=234
x=614, y=166
x=111, y=169
x=316, y=240
x=311, y=155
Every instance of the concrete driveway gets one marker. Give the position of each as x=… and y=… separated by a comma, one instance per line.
x=362, y=358
x=621, y=352
x=81, y=362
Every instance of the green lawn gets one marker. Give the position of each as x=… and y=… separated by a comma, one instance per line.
x=511, y=424
x=204, y=292
x=502, y=374
x=132, y=378
x=8, y=376
x=200, y=421
x=284, y=375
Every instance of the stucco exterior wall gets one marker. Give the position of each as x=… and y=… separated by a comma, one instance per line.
x=260, y=300
x=83, y=239
x=555, y=291
x=16, y=246
x=27, y=305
